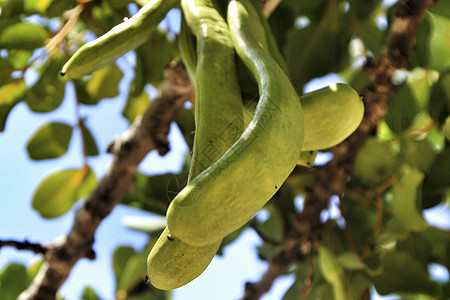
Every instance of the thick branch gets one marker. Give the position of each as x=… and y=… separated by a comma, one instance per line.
x=26, y=245
x=145, y=134
x=332, y=178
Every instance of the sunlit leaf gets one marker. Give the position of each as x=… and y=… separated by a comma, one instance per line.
x=146, y=224
x=49, y=141
x=57, y=193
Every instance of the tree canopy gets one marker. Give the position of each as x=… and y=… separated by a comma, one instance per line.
x=380, y=181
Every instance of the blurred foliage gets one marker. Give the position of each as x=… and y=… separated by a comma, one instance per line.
x=381, y=239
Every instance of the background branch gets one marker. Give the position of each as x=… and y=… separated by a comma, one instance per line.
x=332, y=178
x=147, y=133
x=25, y=245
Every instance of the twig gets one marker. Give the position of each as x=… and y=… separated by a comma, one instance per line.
x=331, y=179
x=25, y=245
x=147, y=133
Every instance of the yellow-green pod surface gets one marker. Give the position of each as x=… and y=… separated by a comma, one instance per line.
x=331, y=114
x=218, y=103
x=121, y=39
x=227, y=194
x=173, y=263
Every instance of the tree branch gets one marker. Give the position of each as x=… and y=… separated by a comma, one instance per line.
x=332, y=178
x=26, y=245
x=146, y=134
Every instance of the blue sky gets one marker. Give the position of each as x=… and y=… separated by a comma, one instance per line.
x=19, y=176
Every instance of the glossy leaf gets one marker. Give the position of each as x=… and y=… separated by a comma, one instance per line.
x=57, y=193
x=49, y=141
x=146, y=224
x=24, y=36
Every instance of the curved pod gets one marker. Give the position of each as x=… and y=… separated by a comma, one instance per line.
x=228, y=193
x=173, y=263
x=121, y=39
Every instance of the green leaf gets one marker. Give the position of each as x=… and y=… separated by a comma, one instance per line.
x=133, y=272
x=186, y=123
x=104, y=83
x=440, y=43
x=446, y=128
x=57, y=193
x=436, y=182
x=403, y=108
x=441, y=8
x=146, y=224
x=151, y=58
x=120, y=258
x=364, y=9
x=273, y=227
x=89, y=294
x=439, y=104
x=49, y=141
x=10, y=95
x=351, y=261
x=327, y=40
x=135, y=106
x=375, y=163
x=89, y=144
x=404, y=203
x=402, y=273
x=47, y=93
x=13, y=280
x=372, y=36
x=334, y=274
x=24, y=36
x=152, y=193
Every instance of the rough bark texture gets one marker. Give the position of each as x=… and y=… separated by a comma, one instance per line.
x=146, y=134
x=332, y=178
